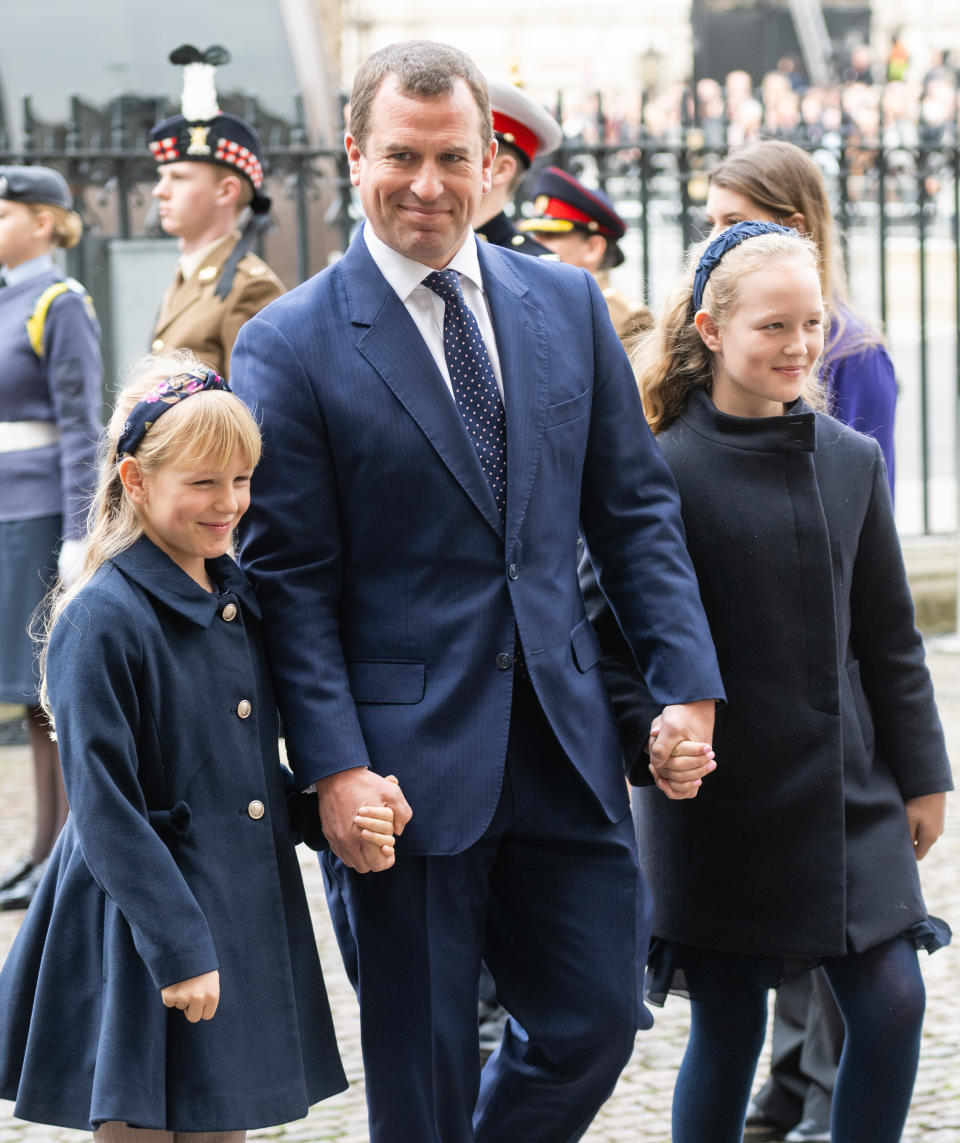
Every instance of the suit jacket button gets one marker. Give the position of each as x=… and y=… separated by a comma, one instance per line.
x=256, y=809
x=513, y=571
x=504, y=660
x=244, y=707
x=229, y=612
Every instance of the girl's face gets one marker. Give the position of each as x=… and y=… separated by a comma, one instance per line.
x=23, y=234
x=190, y=512
x=768, y=346
x=724, y=207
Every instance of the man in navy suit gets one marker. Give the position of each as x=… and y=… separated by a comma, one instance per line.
x=424, y=619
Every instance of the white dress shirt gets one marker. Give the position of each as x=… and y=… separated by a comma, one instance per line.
x=426, y=308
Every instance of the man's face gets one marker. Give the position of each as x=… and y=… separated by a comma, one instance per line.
x=188, y=195
x=423, y=171
x=575, y=248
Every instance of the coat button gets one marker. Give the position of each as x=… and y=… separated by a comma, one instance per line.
x=513, y=571
x=229, y=612
x=504, y=660
x=256, y=809
x=244, y=707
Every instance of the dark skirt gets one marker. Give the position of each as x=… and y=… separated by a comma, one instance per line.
x=710, y=974
x=28, y=567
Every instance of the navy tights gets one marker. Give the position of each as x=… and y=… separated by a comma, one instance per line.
x=881, y=996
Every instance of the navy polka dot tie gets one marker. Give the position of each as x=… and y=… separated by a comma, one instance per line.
x=474, y=382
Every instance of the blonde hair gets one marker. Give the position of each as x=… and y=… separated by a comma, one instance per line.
x=672, y=360
x=781, y=179
x=207, y=427
x=67, y=225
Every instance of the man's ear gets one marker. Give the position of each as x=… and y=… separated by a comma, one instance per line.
x=353, y=158
x=131, y=477
x=504, y=169
x=708, y=330
x=229, y=190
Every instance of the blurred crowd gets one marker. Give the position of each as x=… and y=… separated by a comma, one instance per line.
x=872, y=102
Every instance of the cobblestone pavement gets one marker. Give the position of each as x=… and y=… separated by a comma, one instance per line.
x=639, y=1109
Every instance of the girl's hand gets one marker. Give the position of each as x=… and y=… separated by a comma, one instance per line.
x=375, y=824
x=680, y=775
x=926, y=817
x=197, y=997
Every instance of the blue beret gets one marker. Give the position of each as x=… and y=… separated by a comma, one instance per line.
x=35, y=184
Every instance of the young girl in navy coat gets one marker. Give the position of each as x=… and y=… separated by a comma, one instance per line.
x=801, y=847
x=166, y=976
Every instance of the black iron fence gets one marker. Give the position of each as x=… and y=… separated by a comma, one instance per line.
x=897, y=205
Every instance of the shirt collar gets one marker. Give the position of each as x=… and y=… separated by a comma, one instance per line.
x=27, y=270
x=191, y=263
x=404, y=274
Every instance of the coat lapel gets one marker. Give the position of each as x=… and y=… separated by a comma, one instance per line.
x=181, y=295
x=520, y=330
x=391, y=343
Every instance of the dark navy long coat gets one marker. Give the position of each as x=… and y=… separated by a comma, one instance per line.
x=798, y=844
x=177, y=859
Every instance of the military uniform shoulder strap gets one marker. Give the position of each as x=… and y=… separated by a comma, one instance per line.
x=37, y=321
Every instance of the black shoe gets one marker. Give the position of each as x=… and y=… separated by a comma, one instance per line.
x=809, y=1131
x=20, y=894
x=20, y=868
x=762, y=1128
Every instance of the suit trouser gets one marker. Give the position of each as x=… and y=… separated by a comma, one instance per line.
x=805, y=1054
x=552, y=897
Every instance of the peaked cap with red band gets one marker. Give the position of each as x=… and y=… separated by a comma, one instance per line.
x=521, y=121
x=562, y=203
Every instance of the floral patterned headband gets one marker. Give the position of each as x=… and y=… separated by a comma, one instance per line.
x=162, y=397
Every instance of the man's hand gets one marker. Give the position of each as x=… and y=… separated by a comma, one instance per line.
x=350, y=795
x=926, y=817
x=679, y=748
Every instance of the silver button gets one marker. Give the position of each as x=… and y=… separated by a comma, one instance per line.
x=229, y=612
x=513, y=571
x=256, y=809
x=244, y=707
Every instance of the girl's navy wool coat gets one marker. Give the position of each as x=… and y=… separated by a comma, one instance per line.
x=177, y=859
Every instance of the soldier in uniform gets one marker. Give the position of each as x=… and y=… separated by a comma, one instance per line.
x=523, y=130
x=210, y=170
x=580, y=226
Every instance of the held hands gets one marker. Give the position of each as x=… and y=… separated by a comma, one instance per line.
x=679, y=747
x=926, y=817
x=197, y=997
x=360, y=813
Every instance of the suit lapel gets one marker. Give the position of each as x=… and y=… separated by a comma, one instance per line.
x=522, y=347
x=393, y=346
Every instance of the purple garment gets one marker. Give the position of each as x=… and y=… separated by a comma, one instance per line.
x=863, y=388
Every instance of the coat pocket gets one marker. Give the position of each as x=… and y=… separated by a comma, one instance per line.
x=387, y=680
x=565, y=411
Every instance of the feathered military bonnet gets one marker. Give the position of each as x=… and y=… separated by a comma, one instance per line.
x=202, y=133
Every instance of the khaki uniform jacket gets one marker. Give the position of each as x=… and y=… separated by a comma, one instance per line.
x=629, y=316
x=193, y=317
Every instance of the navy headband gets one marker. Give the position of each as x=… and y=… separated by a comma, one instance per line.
x=724, y=241
x=162, y=397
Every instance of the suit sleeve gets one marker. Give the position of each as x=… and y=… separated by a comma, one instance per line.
x=630, y=518
x=74, y=373
x=92, y=670
x=290, y=547
x=889, y=651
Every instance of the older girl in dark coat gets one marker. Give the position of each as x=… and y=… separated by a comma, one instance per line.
x=801, y=847
x=166, y=979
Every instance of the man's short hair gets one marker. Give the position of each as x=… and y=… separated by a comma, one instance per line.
x=424, y=70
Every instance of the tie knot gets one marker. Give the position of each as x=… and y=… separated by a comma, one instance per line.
x=444, y=283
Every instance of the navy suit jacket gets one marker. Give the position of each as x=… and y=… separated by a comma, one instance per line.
x=390, y=587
